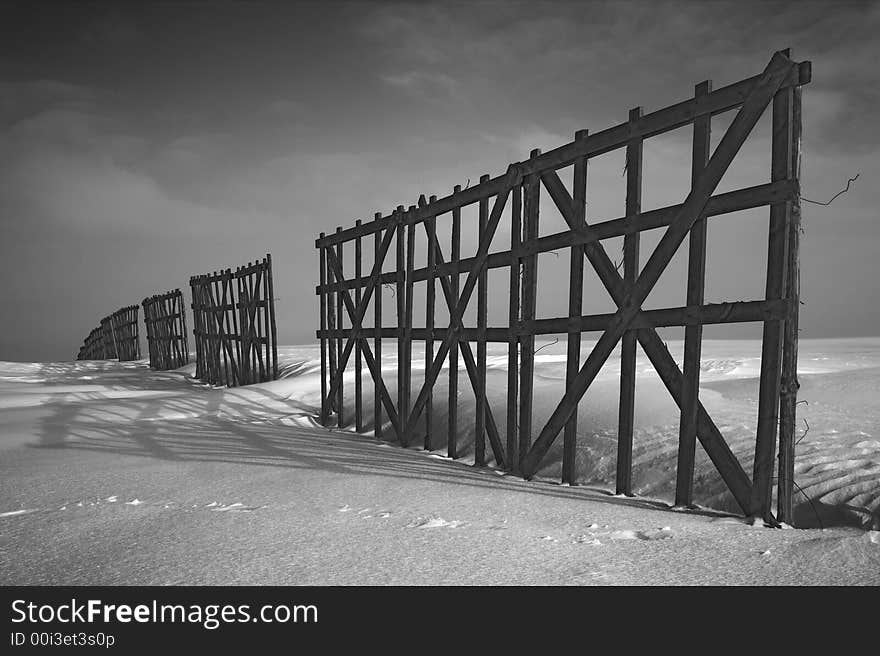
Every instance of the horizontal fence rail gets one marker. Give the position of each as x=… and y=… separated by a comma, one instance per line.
x=165, y=319
x=115, y=338
x=350, y=338
x=234, y=325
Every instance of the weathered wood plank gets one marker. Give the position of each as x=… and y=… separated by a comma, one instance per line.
x=771, y=350
x=575, y=308
x=512, y=338
x=628, y=341
x=378, y=257
x=455, y=258
x=400, y=297
x=789, y=384
x=482, y=320
x=430, y=301
x=531, y=214
x=693, y=335
x=340, y=403
x=358, y=358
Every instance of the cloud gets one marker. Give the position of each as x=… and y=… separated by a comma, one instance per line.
x=425, y=85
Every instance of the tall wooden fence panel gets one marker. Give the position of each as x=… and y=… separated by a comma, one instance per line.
x=516, y=194
x=234, y=325
x=116, y=337
x=165, y=318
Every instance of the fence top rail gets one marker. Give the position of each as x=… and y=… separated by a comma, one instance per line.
x=155, y=298
x=649, y=125
x=228, y=273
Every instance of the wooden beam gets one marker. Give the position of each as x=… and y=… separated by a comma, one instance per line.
x=575, y=309
x=378, y=257
x=325, y=405
x=512, y=338
x=529, y=290
x=628, y=344
x=430, y=301
x=693, y=335
x=455, y=258
x=400, y=297
x=406, y=371
x=340, y=404
x=789, y=383
x=771, y=350
x=482, y=320
x=358, y=358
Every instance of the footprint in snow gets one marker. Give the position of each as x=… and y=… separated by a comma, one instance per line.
x=434, y=522
x=236, y=507
x=664, y=533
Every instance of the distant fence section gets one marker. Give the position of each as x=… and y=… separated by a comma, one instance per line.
x=234, y=325
x=116, y=337
x=165, y=318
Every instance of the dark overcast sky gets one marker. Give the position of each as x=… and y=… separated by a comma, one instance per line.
x=143, y=143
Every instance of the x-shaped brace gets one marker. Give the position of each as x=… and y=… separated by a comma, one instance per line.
x=629, y=298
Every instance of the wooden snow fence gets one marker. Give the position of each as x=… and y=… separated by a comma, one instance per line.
x=234, y=325
x=165, y=319
x=115, y=338
x=346, y=296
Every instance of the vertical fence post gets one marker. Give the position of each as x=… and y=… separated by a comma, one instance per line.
x=358, y=363
x=771, y=350
x=377, y=335
x=431, y=295
x=531, y=198
x=482, y=320
x=693, y=334
x=575, y=307
x=331, y=327
x=340, y=343
x=400, y=297
x=628, y=342
x=271, y=328
x=790, y=385
x=455, y=261
x=408, y=322
x=325, y=410
x=184, y=339
x=514, y=325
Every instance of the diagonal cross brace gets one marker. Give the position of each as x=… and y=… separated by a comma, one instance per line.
x=466, y=351
x=356, y=314
x=716, y=447
x=514, y=177
x=365, y=347
x=748, y=115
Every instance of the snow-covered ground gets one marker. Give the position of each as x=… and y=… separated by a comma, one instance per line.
x=113, y=474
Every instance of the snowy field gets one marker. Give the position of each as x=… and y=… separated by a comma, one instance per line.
x=112, y=474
